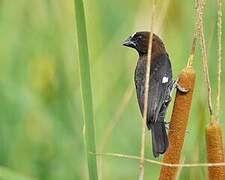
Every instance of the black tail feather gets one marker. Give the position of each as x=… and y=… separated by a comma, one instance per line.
x=159, y=138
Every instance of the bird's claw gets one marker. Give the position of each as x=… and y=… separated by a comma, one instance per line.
x=179, y=87
x=167, y=125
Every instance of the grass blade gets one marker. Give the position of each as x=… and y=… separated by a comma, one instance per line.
x=89, y=133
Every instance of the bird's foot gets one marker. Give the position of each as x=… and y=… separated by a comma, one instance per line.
x=179, y=87
x=167, y=125
x=172, y=86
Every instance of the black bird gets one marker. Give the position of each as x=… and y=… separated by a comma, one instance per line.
x=160, y=85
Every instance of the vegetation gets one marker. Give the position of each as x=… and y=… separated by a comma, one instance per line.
x=41, y=120
x=89, y=129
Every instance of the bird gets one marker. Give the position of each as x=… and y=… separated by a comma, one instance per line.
x=161, y=85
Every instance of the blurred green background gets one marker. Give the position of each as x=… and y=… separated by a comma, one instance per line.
x=41, y=126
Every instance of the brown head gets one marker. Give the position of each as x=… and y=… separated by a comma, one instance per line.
x=140, y=42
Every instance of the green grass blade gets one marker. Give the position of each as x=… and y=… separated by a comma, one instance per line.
x=86, y=89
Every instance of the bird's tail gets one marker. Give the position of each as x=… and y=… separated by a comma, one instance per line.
x=159, y=138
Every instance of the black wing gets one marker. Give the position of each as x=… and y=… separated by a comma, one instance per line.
x=160, y=86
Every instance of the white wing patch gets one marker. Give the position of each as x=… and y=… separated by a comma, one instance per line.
x=165, y=79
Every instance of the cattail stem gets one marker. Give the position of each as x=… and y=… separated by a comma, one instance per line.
x=178, y=123
x=204, y=56
x=215, y=153
x=219, y=55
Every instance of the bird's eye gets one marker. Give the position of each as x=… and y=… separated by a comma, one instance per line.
x=139, y=37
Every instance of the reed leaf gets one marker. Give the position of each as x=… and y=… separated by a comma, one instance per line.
x=89, y=133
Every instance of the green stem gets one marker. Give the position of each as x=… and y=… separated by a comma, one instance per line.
x=89, y=133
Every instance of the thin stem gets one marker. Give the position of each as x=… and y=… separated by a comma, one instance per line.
x=219, y=58
x=205, y=58
x=197, y=22
x=147, y=78
x=161, y=163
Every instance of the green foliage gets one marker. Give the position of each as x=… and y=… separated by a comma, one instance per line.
x=89, y=131
x=6, y=174
x=41, y=124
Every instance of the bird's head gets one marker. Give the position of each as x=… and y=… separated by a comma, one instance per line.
x=140, y=42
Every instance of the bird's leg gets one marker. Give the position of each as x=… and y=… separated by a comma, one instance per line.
x=167, y=125
x=176, y=85
x=179, y=87
x=170, y=89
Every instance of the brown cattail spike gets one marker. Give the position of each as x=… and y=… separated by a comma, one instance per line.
x=178, y=123
x=215, y=153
